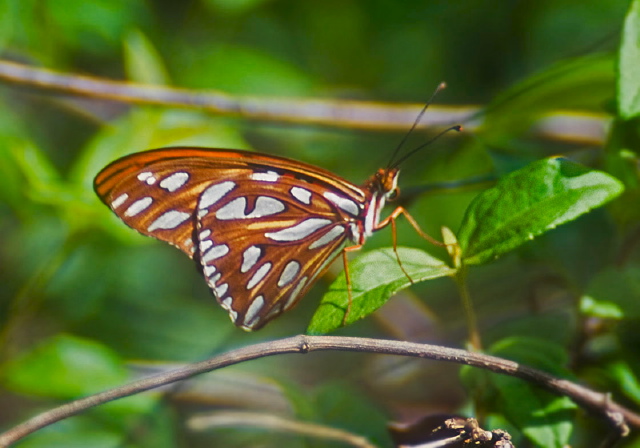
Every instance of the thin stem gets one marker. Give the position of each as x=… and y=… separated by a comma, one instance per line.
x=470, y=315
x=236, y=419
x=617, y=416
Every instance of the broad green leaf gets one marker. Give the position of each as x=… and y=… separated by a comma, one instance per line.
x=11, y=177
x=544, y=418
x=628, y=85
x=614, y=294
x=340, y=405
x=621, y=158
x=629, y=382
x=67, y=367
x=580, y=83
x=94, y=27
x=234, y=7
x=142, y=61
x=597, y=308
x=529, y=202
x=77, y=432
x=375, y=277
x=64, y=367
x=237, y=69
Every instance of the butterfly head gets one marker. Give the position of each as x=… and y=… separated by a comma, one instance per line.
x=385, y=183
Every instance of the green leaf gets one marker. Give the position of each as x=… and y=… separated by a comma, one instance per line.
x=143, y=62
x=580, y=83
x=94, y=27
x=65, y=367
x=339, y=405
x=544, y=418
x=597, y=308
x=77, y=432
x=614, y=293
x=624, y=375
x=237, y=69
x=628, y=86
x=375, y=277
x=529, y=202
x=234, y=7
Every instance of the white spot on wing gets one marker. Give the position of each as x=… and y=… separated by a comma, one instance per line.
x=221, y=290
x=299, y=231
x=226, y=303
x=147, y=177
x=205, y=244
x=214, y=193
x=233, y=210
x=209, y=270
x=265, y=206
x=175, y=181
x=168, y=220
x=331, y=235
x=213, y=280
x=343, y=203
x=119, y=200
x=215, y=252
x=301, y=194
x=138, y=206
x=289, y=273
x=204, y=234
x=249, y=258
x=269, y=176
x=259, y=275
x=252, y=312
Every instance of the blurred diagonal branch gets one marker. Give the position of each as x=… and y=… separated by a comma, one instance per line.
x=337, y=113
x=235, y=419
x=600, y=404
x=351, y=114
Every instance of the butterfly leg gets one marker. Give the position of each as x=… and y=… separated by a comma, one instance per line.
x=348, y=279
x=391, y=219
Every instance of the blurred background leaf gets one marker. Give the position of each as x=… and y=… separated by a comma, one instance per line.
x=81, y=294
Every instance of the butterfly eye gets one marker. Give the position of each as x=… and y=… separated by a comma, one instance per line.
x=393, y=194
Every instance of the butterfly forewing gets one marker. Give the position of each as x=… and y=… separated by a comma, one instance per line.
x=152, y=194
x=263, y=228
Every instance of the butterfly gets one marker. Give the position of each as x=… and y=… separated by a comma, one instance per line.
x=261, y=228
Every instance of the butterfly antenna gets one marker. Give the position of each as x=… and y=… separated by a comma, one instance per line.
x=415, y=150
x=441, y=86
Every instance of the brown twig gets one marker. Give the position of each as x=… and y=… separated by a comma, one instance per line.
x=336, y=113
x=348, y=114
x=599, y=404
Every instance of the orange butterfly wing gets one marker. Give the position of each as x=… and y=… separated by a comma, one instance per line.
x=263, y=228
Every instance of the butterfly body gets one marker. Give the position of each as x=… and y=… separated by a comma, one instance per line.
x=262, y=228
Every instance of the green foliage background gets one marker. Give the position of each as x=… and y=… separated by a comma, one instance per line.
x=87, y=304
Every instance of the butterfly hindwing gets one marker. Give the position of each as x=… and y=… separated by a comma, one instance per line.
x=263, y=241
